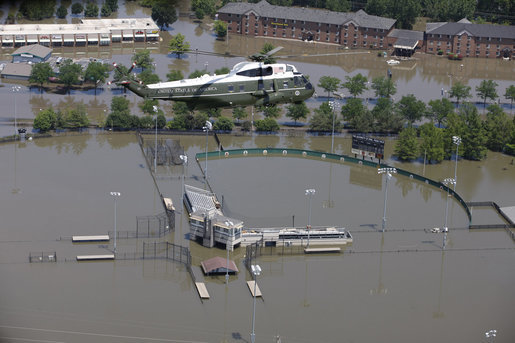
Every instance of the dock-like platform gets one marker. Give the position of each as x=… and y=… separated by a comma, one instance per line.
x=202, y=290
x=97, y=238
x=332, y=250
x=95, y=257
x=250, y=284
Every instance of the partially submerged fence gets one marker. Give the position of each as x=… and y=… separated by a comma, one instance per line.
x=147, y=227
x=42, y=257
x=331, y=158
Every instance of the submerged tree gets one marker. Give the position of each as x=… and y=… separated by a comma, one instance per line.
x=178, y=45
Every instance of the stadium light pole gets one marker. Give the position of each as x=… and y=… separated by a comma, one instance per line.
x=309, y=192
x=334, y=105
x=256, y=271
x=206, y=128
x=155, y=151
x=115, y=195
x=184, y=159
x=388, y=172
x=491, y=334
x=15, y=90
x=456, y=140
x=447, y=182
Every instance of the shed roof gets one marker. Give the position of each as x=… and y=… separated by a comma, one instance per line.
x=264, y=9
x=407, y=34
x=218, y=265
x=17, y=69
x=34, y=50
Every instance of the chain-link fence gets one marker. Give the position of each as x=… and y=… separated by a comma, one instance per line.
x=40, y=257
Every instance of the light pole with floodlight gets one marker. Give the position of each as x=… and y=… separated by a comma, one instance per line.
x=334, y=106
x=15, y=90
x=184, y=159
x=491, y=334
x=115, y=195
x=388, y=172
x=447, y=182
x=155, y=152
x=206, y=128
x=309, y=192
x=456, y=140
x=256, y=271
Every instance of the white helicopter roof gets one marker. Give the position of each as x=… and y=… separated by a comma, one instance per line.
x=277, y=69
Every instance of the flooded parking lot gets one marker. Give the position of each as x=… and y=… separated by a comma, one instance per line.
x=392, y=286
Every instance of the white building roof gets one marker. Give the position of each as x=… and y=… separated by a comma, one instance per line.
x=84, y=27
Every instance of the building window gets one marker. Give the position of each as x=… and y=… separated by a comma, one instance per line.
x=364, y=43
x=430, y=49
x=255, y=32
x=284, y=34
x=365, y=36
x=327, y=38
x=265, y=33
x=229, y=14
x=430, y=42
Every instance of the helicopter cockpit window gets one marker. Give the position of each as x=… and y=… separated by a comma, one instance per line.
x=297, y=81
x=267, y=71
x=289, y=68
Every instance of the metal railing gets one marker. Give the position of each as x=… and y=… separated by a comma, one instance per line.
x=332, y=158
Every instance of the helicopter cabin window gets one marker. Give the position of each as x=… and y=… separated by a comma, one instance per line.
x=285, y=84
x=261, y=86
x=230, y=88
x=242, y=88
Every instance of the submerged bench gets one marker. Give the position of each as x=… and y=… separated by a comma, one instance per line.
x=95, y=257
x=202, y=290
x=98, y=238
x=321, y=250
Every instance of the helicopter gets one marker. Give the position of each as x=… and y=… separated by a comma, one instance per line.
x=248, y=83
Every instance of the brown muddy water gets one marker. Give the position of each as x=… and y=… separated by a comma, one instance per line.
x=58, y=187
x=425, y=76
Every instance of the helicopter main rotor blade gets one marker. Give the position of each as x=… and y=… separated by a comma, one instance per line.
x=273, y=51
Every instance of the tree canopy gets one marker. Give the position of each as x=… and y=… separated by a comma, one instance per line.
x=96, y=73
x=40, y=73
x=143, y=60
x=178, y=45
x=203, y=8
x=91, y=9
x=220, y=28
x=330, y=84
x=406, y=147
x=411, y=109
x=356, y=85
x=384, y=86
x=69, y=73
x=459, y=91
x=163, y=13
x=487, y=90
x=297, y=111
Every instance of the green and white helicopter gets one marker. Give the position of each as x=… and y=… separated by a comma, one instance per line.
x=248, y=83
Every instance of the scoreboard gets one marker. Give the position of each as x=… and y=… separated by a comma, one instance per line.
x=367, y=147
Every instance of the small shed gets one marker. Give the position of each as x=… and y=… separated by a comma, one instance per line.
x=218, y=265
x=17, y=71
x=33, y=53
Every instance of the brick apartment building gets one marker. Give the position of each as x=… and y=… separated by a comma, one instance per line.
x=353, y=30
x=470, y=40
x=360, y=30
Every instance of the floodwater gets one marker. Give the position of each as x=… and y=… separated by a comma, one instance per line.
x=425, y=76
x=53, y=188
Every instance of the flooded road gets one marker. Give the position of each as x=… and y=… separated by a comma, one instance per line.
x=393, y=286
x=425, y=76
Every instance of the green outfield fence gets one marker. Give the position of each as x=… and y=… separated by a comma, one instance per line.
x=317, y=155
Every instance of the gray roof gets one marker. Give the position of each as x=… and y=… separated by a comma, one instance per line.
x=17, y=69
x=264, y=9
x=34, y=49
x=407, y=34
x=476, y=30
x=406, y=43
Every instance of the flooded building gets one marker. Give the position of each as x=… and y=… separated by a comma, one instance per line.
x=405, y=42
x=207, y=222
x=87, y=32
x=34, y=53
x=470, y=40
x=353, y=30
